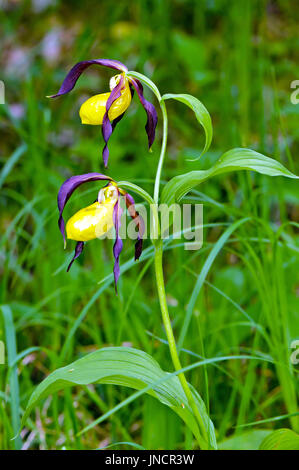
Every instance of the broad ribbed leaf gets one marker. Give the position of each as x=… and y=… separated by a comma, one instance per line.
x=250, y=440
x=233, y=160
x=128, y=367
x=201, y=113
x=281, y=439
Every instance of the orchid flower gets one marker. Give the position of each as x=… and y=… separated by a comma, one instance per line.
x=97, y=219
x=107, y=109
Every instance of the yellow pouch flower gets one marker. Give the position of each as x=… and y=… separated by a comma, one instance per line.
x=93, y=110
x=91, y=222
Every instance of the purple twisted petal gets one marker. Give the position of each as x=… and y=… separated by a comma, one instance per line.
x=130, y=203
x=78, y=251
x=71, y=79
x=107, y=126
x=118, y=244
x=114, y=124
x=67, y=189
x=150, y=110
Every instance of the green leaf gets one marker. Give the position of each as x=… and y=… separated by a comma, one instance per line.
x=281, y=439
x=14, y=391
x=201, y=114
x=233, y=160
x=249, y=440
x=130, y=368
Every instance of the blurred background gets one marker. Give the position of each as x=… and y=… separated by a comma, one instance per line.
x=239, y=59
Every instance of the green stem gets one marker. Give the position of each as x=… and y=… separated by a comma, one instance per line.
x=201, y=436
x=163, y=151
x=203, y=442
x=155, y=227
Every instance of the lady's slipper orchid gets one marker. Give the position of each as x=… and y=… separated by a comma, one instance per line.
x=107, y=109
x=93, y=110
x=97, y=219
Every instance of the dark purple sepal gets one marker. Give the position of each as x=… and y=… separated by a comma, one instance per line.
x=67, y=189
x=152, y=117
x=117, y=120
x=71, y=79
x=78, y=251
x=118, y=244
x=130, y=203
x=114, y=124
x=138, y=248
x=131, y=90
x=107, y=125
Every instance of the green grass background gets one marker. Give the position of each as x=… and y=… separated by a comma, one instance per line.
x=239, y=59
